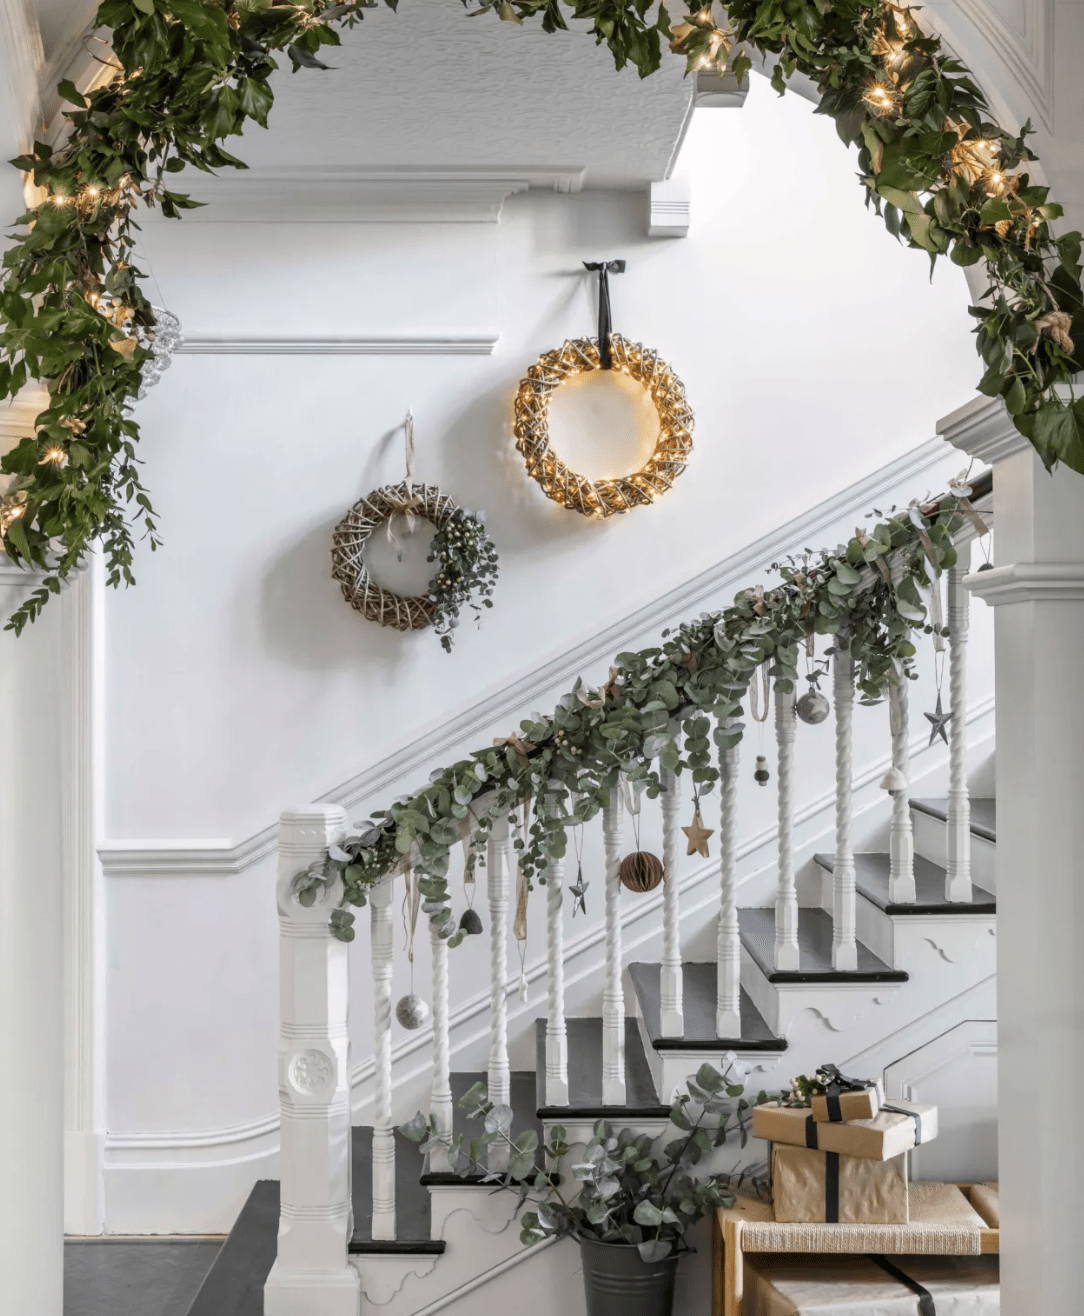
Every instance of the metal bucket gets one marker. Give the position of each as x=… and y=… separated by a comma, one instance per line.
x=617, y=1283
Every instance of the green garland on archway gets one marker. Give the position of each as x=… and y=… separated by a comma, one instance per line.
x=184, y=75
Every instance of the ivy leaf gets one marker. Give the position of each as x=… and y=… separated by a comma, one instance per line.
x=71, y=93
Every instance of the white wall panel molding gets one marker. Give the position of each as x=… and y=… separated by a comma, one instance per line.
x=21, y=57
x=480, y=344
x=222, y=858
x=367, y=196
x=1022, y=36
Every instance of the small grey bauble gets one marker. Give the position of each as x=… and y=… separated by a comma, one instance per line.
x=812, y=707
x=412, y=1012
x=470, y=923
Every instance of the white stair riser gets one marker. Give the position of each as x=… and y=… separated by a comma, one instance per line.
x=931, y=842
x=956, y=937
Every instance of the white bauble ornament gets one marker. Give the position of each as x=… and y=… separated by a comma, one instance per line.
x=412, y=1012
x=812, y=707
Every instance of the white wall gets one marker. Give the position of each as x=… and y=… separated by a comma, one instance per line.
x=814, y=351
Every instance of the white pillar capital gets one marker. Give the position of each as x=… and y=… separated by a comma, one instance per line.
x=1029, y=582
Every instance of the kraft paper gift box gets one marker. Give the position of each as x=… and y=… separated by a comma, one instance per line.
x=860, y=1286
x=816, y=1187
x=860, y=1101
x=900, y=1126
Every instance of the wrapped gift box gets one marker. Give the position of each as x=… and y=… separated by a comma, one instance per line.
x=859, y=1286
x=848, y=1104
x=816, y=1187
x=899, y=1127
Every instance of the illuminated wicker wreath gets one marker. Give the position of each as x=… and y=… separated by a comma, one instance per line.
x=356, y=529
x=603, y=497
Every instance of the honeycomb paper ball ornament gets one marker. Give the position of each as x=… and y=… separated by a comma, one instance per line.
x=640, y=871
x=412, y=1012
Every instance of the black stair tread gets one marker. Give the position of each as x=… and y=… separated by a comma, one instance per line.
x=871, y=878
x=757, y=927
x=234, y=1284
x=412, y=1215
x=585, y=1075
x=698, y=986
x=524, y=1116
x=983, y=814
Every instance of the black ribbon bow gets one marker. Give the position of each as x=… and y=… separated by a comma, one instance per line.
x=837, y=1084
x=605, y=269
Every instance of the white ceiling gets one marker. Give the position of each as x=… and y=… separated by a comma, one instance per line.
x=430, y=87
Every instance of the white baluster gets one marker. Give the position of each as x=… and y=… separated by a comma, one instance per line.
x=383, y=946
x=556, y=1033
x=670, y=983
x=958, y=874
x=311, y=1275
x=498, y=868
x=440, y=1094
x=844, y=944
x=901, y=841
x=613, y=997
x=728, y=942
x=786, y=892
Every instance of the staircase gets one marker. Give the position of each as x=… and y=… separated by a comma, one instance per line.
x=456, y=1248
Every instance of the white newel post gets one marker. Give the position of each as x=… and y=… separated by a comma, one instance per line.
x=382, y=940
x=786, y=892
x=1037, y=590
x=670, y=983
x=440, y=1094
x=499, y=1084
x=312, y=1275
x=613, y=997
x=728, y=939
x=556, y=1033
x=844, y=942
x=901, y=840
x=958, y=867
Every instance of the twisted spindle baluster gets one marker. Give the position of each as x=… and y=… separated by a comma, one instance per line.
x=844, y=941
x=786, y=896
x=440, y=1094
x=728, y=943
x=556, y=1032
x=670, y=980
x=498, y=868
x=613, y=999
x=958, y=868
x=383, y=1128
x=901, y=841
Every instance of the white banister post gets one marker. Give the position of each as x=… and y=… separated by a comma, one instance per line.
x=958, y=868
x=613, y=997
x=382, y=934
x=440, y=1094
x=728, y=940
x=499, y=1084
x=786, y=892
x=901, y=841
x=844, y=942
x=312, y=1275
x=556, y=1033
x=670, y=981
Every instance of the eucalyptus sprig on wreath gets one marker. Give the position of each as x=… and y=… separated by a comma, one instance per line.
x=186, y=74
x=865, y=593
x=467, y=572
x=623, y=1190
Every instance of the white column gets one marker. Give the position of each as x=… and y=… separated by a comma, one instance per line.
x=556, y=1034
x=1037, y=588
x=958, y=868
x=786, y=892
x=382, y=935
x=670, y=983
x=901, y=841
x=728, y=941
x=311, y=1275
x=613, y=997
x=844, y=944
x=498, y=869
x=440, y=1093
x=31, y=959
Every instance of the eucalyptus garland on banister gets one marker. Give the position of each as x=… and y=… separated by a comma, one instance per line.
x=561, y=768
x=184, y=75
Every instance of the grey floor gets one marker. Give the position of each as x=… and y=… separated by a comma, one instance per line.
x=105, y=1277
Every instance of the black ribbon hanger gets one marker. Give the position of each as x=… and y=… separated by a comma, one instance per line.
x=605, y=269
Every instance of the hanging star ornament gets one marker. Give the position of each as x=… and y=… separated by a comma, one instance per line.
x=698, y=835
x=938, y=720
x=579, y=890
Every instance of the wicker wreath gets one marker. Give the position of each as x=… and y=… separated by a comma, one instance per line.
x=603, y=497
x=355, y=530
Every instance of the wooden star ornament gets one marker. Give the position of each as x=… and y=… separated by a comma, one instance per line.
x=698, y=835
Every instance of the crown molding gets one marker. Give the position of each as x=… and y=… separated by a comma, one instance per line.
x=1029, y=582
x=224, y=858
x=482, y=344
x=984, y=429
x=369, y=196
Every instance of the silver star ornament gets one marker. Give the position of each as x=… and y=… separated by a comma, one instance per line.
x=938, y=720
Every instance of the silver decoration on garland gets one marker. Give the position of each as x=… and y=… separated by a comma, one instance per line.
x=578, y=890
x=812, y=708
x=411, y=1011
x=938, y=720
x=163, y=340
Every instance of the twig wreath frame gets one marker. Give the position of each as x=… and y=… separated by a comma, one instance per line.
x=603, y=497
x=184, y=75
